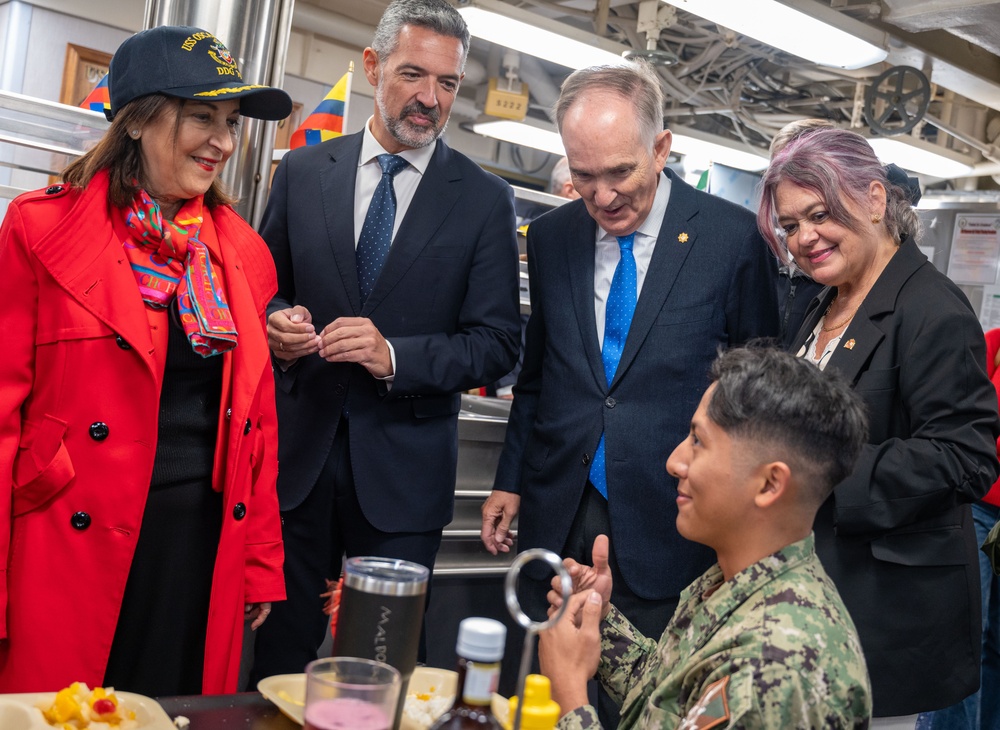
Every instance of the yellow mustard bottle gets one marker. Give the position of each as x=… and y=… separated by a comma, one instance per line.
x=540, y=711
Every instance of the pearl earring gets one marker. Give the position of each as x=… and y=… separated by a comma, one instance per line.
x=135, y=133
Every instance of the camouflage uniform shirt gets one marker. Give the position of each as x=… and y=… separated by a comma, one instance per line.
x=772, y=648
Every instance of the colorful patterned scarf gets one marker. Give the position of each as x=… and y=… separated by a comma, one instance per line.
x=169, y=262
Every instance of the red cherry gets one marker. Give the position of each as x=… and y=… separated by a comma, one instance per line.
x=104, y=707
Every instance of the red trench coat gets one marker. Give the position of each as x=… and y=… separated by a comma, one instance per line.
x=77, y=350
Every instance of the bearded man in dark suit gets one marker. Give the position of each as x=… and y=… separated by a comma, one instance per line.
x=397, y=290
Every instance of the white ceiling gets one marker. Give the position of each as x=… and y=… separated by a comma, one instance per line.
x=736, y=88
x=977, y=21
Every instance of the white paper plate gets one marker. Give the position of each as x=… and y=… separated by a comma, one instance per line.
x=288, y=691
x=23, y=711
x=432, y=682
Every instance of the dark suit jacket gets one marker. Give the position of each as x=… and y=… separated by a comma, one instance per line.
x=446, y=299
x=710, y=284
x=897, y=536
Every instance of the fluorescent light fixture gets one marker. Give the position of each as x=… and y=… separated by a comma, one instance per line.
x=526, y=32
x=920, y=156
x=710, y=147
x=526, y=134
x=530, y=133
x=804, y=28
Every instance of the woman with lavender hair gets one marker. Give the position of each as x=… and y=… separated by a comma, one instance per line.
x=897, y=536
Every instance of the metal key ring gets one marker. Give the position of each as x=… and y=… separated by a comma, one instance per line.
x=532, y=627
x=510, y=587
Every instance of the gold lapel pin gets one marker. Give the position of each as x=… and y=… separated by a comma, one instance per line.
x=683, y=238
x=849, y=344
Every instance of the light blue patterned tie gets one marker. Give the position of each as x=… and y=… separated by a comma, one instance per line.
x=617, y=319
x=376, y=233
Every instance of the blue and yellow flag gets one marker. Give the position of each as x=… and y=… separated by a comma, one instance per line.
x=98, y=100
x=327, y=120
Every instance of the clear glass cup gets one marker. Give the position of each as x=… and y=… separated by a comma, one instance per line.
x=347, y=693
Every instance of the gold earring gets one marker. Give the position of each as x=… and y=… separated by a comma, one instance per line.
x=876, y=218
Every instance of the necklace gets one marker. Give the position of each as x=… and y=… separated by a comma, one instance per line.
x=876, y=271
x=834, y=328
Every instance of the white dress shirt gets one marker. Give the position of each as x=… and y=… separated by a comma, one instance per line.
x=369, y=173
x=809, y=350
x=608, y=254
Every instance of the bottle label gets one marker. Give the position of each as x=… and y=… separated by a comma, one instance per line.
x=480, y=682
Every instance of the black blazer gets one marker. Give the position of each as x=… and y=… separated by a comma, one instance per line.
x=447, y=300
x=710, y=284
x=897, y=535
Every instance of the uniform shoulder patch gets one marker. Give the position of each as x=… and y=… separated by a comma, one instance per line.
x=711, y=710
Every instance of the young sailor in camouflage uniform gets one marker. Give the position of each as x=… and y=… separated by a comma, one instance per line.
x=762, y=639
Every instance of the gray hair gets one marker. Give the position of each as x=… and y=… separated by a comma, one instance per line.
x=635, y=81
x=435, y=15
x=838, y=166
x=560, y=176
x=812, y=418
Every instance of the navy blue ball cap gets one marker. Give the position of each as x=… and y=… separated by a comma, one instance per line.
x=187, y=63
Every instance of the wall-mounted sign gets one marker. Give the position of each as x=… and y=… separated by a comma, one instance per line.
x=975, y=249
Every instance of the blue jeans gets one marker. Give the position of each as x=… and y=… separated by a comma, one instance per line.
x=980, y=710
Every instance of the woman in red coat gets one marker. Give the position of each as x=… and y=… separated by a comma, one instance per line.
x=137, y=421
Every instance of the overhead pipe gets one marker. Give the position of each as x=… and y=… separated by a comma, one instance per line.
x=311, y=19
x=465, y=108
x=540, y=84
x=986, y=168
x=990, y=152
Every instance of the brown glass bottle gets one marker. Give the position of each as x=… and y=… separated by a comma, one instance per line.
x=480, y=649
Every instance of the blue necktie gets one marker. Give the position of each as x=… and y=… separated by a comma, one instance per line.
x=617, y=319
x=376, y=233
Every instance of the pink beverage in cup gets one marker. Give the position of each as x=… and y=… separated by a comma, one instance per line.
x=350, y=693
x=345, y=713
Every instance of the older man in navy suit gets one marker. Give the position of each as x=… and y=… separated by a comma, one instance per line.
x=397, y=290
x=634, y=289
